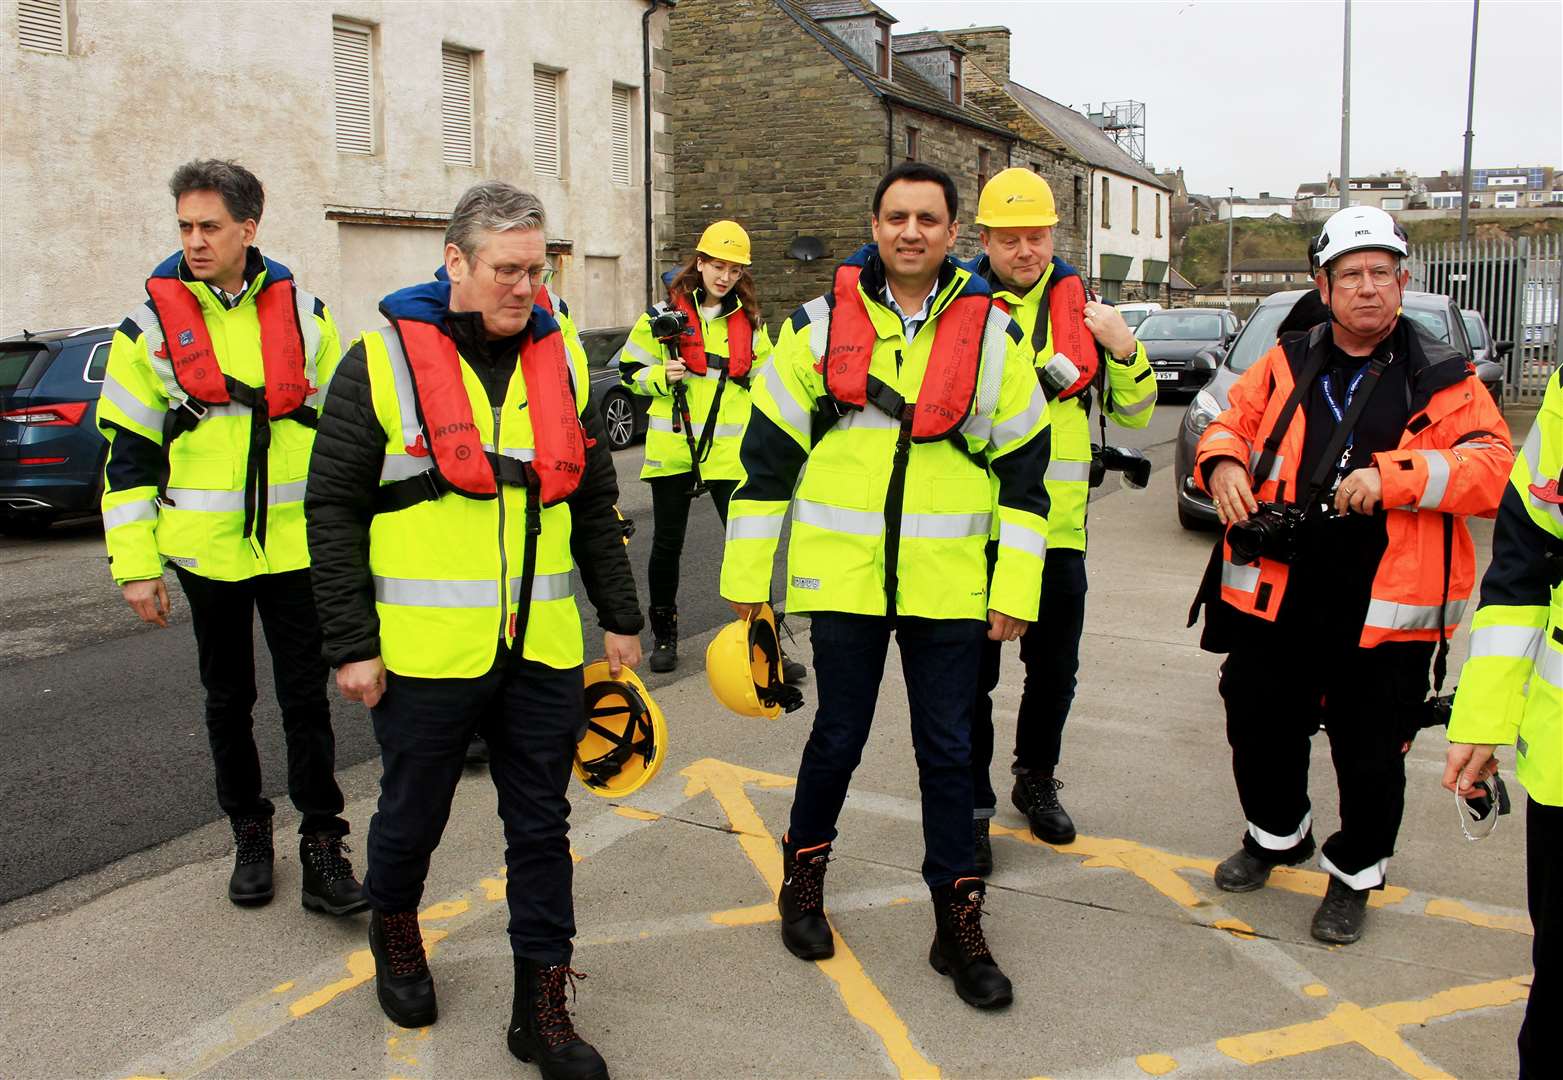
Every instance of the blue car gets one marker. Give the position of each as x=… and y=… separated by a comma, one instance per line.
x=51, y=454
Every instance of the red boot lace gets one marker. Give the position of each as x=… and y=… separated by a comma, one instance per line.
x=553, y=1017
x=808, y=882
x=967, y=915
x=404, y=944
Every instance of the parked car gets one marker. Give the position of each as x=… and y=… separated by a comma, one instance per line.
x=1184, y=345
x=1432, y=312
x=623, y=413
x=1134, y=314
x=51, y=453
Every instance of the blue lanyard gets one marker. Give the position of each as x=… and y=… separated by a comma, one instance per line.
x=1339, y=411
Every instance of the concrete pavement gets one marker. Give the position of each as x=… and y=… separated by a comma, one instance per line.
x=1127, y=961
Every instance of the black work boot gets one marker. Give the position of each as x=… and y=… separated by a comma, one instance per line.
x=1341, y=914
x=664, y=631
x=982, y=845
x=540, y=1027
x=329, y=884
x=250, y=883
x=1243, y=871
x=401, y=972
x=805, y=930
x=960, y=951
x=1036, y=796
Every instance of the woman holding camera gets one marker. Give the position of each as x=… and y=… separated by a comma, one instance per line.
x=694, y=355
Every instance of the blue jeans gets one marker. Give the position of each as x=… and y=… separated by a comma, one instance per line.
x=939, y=658
x=531, y=715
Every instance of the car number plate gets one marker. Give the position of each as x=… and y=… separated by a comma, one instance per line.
x=1166, y=376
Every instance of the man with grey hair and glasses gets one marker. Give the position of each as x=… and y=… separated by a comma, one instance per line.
x=461, y=478
x=209, y=406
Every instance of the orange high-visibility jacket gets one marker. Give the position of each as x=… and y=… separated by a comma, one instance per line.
x=1453, y=459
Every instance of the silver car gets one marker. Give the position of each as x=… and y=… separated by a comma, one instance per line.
x=1434, y=313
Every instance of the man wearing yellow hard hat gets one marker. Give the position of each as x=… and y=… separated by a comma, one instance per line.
x=694, y=355
x=1045, y=295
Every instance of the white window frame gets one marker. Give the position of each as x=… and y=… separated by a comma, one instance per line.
x=548, y=122
x=1393, y=204
x=44, y=26
x=348, y=40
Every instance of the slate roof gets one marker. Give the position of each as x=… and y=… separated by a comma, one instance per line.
x=840, y=9
x=923, y=39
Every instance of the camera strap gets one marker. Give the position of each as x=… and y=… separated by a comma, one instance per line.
x=1340, y=438
x=1312, y=365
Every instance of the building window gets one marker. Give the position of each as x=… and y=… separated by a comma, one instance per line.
x=1506, y=200
x=1266, y=277
x=623, y=108
x=1535, y=196
x=1557, y=196
x=42, y=25
x=955, y=81
x=1445, y=202
x=1107, y=218
x=984, y=159
x=1036, y=167
x=1326, y=202
x=1134, y=210
x=546, y=156
x=352, y=66
x=911, y=143
x=1394, y=204
x=456, y=106
x=882, y=50
x=1158, y=216
x=1079, y=203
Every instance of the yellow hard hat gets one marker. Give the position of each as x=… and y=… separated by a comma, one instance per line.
x=725, y=240
x=1016, y=199
x=743, y=666
x=626, y=735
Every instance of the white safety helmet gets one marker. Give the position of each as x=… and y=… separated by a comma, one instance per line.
x=1358, y=228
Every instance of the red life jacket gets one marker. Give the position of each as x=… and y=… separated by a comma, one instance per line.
x=189, y=345
x=692, y=347
x=559, y=441
x=950, y=383
x=1072, y=339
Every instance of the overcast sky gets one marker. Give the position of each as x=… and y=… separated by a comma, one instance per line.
x=1248, y=94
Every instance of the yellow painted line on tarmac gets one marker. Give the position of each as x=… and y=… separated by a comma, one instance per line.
x=360, y=969
x=636, y=815
x=1237, y=928
x=282, y=988
x=1442, y=908
x=1374, y=1029
x=1316, y=990
x=1155, y=1064
x=863, y=999
x=752, y=915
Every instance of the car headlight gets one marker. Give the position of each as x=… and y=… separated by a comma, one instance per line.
x=1201, y=412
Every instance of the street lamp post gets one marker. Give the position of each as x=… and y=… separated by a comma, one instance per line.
x=1231, y=216
x=1470, y=106
x=1345, y=115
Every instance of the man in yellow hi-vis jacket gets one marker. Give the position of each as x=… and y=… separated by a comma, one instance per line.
x=209, y=405
x=908, y=395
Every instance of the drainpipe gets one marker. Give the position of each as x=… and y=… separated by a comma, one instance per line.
x=645, y=82
x=889, y=134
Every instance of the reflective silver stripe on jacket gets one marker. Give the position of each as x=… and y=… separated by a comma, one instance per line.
x=207, y=500
x=872, y=523
x=1136, y=407
x=1531, y=451
x=723, y=431
x=1389, y=615
x=946, y=526
x=818, y=311
x=403, y=466
x=793, y=414
x=559, y=586
x=1275, y=466
x=869, y=419
x=838, y=519
x=1018, y=427
x=642, y=355
x=1512, y=642
x=1549, y=669
x=401, y=379
x=132, y=406
x=757, y=527
x=1020, y=538
x=305, y=303
x=124, y=515
x=1437, y=479
x=432, y=592
x=1061, y=471
x=1241, y=578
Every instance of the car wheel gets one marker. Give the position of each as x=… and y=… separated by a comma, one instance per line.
x=618, y=419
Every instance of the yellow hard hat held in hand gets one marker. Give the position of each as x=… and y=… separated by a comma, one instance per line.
x=1016, y=199
x=725, y=240
x=626, y=734
x=743, y=666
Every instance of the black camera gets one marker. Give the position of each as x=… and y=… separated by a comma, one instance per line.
x=1134, y=465
x=669, y=326
x=1270, y=532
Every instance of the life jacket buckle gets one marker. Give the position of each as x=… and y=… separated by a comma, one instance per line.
x=194, y=408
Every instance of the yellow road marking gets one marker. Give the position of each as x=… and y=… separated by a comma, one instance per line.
x=1155, y=1064
x=863, y=999
x=1441, y=908
x=636, y=815
x=1316, y=990
x=360, y=969
x=282, y=988
x=1237, y=928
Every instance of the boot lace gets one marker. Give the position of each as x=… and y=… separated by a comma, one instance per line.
x=966, y=918
x=404, y=945
x=553, y=1016
x=327, y=856
x=808, y=882
x=252, y=840
x=1041, y=791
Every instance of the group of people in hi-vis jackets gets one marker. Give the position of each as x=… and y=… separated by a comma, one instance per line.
x=421, y=511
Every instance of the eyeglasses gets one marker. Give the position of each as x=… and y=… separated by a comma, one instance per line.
x=1351, y=280
x=512, y=275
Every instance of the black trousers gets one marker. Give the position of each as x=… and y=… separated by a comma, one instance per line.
x=1540, y=1040
x=1050, y=651
x=670, y=501
x=531, y=716
x=939, y=660
x=223, y=613
x=1279, y=683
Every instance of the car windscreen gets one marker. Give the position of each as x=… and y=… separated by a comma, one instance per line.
x=1475, y=331
x=1133, y=318
x=1257, y=337
x=1172, y=326
x=1430, y=320
x=20, y=365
